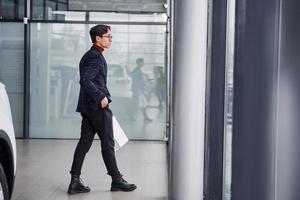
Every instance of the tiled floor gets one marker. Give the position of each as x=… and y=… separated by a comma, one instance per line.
x=43, y=165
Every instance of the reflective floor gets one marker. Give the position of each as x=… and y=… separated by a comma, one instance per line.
x=43, y=165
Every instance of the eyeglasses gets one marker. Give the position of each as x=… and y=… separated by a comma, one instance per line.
x=108, y=36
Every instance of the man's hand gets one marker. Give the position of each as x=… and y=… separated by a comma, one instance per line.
x=104, y=102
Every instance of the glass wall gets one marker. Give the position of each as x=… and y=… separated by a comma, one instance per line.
x=55, y=53
x=11, y=9
x=54, y=10
x=54, y=78
x=12, y=69
x=113, y=11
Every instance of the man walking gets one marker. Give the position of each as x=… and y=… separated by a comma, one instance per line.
x=138, y=90
x=93, y=104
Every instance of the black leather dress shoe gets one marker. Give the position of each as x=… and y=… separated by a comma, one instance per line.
x=122, y=185
x=77, y=186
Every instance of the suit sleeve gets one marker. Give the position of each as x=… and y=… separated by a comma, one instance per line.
x=87, y=75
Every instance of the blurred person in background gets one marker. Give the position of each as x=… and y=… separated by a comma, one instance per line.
x=139, y=100
x=160, y=86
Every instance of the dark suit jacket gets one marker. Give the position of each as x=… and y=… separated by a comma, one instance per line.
x=138, y=81
x=93, y=79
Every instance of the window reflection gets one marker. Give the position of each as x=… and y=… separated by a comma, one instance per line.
x=54, y=10
x=11, y=9
x=55, y=53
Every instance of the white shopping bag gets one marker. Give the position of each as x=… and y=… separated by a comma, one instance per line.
x=119, y=135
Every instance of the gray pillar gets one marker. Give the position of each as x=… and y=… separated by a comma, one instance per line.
x=190, y=38
x=254, y=104
x=288, y=141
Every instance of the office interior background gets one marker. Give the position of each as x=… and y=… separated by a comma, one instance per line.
x=227, y=108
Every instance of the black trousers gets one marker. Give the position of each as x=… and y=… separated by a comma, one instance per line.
x=99, y=122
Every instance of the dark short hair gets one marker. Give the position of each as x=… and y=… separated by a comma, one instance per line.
x=139, y=60
x=98, y=30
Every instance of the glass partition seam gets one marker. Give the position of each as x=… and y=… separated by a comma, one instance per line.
x=26, y=71
x=44, y=9
x=127, y=12
x=167, y=72
x=87, y=16
x=170, y=92
x=16, y=10
x=26, y=79
x=228, y=101
x=30, y=8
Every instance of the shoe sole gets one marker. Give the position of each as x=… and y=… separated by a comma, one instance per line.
x=71, y=193
x=122, y=190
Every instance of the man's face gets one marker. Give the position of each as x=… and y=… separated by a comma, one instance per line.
x=105, y=41
x=140, y=63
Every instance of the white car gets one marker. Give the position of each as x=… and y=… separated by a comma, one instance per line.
x=8, y=155
x=118, y=81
